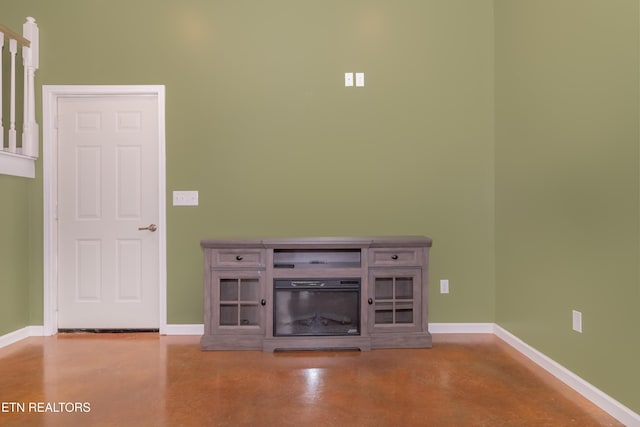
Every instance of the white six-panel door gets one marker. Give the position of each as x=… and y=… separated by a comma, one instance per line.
x=108, y=192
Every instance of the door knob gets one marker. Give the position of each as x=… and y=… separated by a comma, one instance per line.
x=151, y=227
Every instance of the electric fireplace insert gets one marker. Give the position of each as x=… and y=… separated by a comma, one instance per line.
x=316, y=307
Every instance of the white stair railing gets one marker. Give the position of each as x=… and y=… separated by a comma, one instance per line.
x=30, y=61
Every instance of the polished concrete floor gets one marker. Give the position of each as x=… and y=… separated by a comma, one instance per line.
x=151, y=380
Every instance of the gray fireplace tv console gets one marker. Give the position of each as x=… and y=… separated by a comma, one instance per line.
x=316, y=293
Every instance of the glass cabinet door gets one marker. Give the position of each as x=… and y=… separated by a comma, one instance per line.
x=238, y=301
x=395, y=299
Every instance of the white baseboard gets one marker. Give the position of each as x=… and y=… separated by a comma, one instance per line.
x=595, y=395
x=197, y=329
x=461, y=328
x=20, y=334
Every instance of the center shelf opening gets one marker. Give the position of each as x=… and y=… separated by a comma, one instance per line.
x=316, y=258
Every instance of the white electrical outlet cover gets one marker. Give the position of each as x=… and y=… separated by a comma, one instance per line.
x=359, y=79
x=577, y=321
x=444, y=286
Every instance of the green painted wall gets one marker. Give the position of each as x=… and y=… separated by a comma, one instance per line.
x=258, y=121
x=14, y=261
x=567, y=184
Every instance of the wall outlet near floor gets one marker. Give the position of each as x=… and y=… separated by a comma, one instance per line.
x=577, y=321
x=444, y=286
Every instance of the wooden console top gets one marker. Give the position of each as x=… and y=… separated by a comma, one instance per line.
x=320, y=242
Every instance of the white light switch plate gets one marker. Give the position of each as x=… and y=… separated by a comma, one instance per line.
x=359, y=79
x=185, y=198
x=348, y=79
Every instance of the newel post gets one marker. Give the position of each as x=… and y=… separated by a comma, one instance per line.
x=30, y=59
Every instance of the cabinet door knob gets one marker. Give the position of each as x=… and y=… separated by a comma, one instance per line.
x=238, y=257
x=263, y=301
x=370, y=301
x=394, y=257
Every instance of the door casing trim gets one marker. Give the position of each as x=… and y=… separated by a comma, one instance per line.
x=50, y=96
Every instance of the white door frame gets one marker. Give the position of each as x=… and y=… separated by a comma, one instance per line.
x=50, y=96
